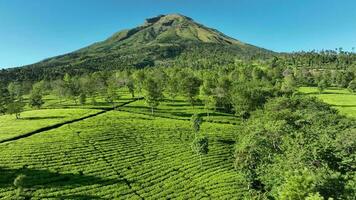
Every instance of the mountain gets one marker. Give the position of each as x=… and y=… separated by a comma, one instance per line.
x=161, y=40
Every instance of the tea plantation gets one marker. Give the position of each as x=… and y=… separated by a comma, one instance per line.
x=122, y=155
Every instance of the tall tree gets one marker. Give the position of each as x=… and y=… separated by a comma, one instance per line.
x=153, y=93
x=72, y=86
x=289, y=84
x=36, y=95
x=15, y=108
x=200, y=144
x=352, y=86
x=139, y=78
x=5, y=98
x=322, y=85
x=190, y=88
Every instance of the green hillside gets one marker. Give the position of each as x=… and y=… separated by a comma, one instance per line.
x=159, y=41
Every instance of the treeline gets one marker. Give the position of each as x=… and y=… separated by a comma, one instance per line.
x=239, y=88
x=195, y=56
x=325, y=59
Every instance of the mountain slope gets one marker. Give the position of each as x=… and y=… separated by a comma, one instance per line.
x=159, y=41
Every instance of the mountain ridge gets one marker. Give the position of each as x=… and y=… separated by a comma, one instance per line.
x=159, y=40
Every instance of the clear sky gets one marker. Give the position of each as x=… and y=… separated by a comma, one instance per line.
x=31, y=30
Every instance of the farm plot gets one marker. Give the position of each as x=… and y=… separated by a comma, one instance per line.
x=120, y=155
x=35, y=119
x=341, y=99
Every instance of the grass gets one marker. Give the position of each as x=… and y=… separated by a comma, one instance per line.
x=340, y=99
x=121, y=155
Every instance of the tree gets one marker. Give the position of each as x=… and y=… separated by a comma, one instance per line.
x=200, y=144
x=36, y=100
x=352, y=86
x=131, y=86
x=5, y=99
x=15, y=108
x=111, y=94
x=59, y=89
x=289, y=84
x=249, y=96
x=222, y=93
x=190, y=88
x=113, y=86
x=16, y=91
x=72, y=87
x=153, y=93
x=322, y=85
x=172, y=87
x=209, y=104
x=139, y=78
x=82, y=98
x=89, y=87
x=207, y=91
x=196, y=121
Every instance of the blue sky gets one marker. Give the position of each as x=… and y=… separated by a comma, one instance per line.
x=33, y=30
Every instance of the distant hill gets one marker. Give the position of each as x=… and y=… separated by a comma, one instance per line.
x=159, y=41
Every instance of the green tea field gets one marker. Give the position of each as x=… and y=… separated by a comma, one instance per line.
x=120, y=155
x=341, y=99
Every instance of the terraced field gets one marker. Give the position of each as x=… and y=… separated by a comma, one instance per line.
x=341, y=99
x=121, y=155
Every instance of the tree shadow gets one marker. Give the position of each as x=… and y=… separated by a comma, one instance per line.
x=318, y=93
x=75, y=197
x=345, y=106
x=179, y=105
x=174, y=101
x=138, y=107
x=40, y=118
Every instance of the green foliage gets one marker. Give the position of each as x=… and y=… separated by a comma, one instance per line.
x=200, y=145
x=153, y=93
x=36, y=96
x=249, y=96
x=82, y=98
x=196, y=121
x=299, y=185
x=289, y=84
x=290, y=151
x=15, y=108
x=5, y=99
x=352, y=86
x=190, y=88
x=72, y=87
x=322, y=85
x=16, y=91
